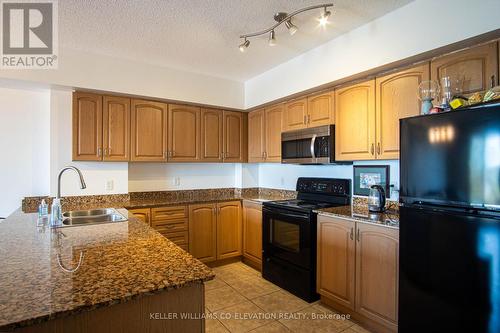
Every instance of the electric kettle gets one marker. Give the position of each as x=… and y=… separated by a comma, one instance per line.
x=376, y=200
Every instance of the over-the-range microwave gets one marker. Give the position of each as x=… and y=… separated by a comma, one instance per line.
x=315, y=145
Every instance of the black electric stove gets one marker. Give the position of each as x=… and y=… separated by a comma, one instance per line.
x=289, y=234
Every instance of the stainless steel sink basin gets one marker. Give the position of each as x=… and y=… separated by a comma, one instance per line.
x=93, y=216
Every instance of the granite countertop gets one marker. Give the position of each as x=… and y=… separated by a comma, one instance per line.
x=120, y=261
x=389, y=218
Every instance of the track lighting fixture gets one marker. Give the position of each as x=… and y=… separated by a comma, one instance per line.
x=243, y=46
x=272, y=38
x=287, y=20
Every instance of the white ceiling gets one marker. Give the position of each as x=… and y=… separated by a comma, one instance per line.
x=202, y=35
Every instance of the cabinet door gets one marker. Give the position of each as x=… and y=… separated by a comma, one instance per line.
x=274, y=124
x=148, y=131
x=202, y=232
x=87, y=127
x=228, y=229
x=252, y=231
x=336, y=260
x=355, y=122
x=320, y=109
x=396, y=98
x=116, y=128
x=235, y=137
x=142, y=214
x=211, y=135
x=377, y=267
x=295, y=114
x=256, y=136
x=473, y=69
x=183, y=133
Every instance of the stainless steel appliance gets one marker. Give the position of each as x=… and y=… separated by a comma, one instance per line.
x=309, y=146
x=376, y=199
x=449, y=255
x=289, y=234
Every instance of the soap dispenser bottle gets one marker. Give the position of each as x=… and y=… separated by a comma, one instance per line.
x=56, y=213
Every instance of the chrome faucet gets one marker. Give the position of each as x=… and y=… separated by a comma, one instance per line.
x=82, y=181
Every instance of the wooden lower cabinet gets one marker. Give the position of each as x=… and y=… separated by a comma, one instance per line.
x=357, y=270
x=142, y=214
x=203, y=231
x=252, y=232
x=228, y=229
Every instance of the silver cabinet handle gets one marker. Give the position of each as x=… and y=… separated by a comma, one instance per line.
x=109, y=151
x=265, y=155
x=313, y=141
x=99, y=152
x=351, y=234
x=305, y=119
x=357, y=235
x=373, y=149
x=165, y=154
x=378, y=148
x=308, y=119
x=493, y=81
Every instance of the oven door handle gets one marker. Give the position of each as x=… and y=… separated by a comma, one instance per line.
x=281, y=213
x=313, y=141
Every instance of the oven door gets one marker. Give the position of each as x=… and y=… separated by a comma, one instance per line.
x=287, y=235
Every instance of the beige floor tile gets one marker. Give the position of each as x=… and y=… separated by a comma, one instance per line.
x=274, y=327
x=233, y=275
x=214, y=284
x=312, y=319
x=341, y=321
x=280, y=302
x=358, y=329
x=214, y=326
x=242, y=317
x=252, y=287
x=222, y=297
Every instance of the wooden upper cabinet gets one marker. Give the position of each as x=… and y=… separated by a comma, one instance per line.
x=320, y=109
x=87, y=127
x=273, y=128
x=116, y=128
x=377, y=269
x=473, y=69
x=336, y=260
x=256, y=136
x=252, y=231
x=203, y=231
x=355, y=122
x=183, y=133
x=229, y=230
x=295, y=114
x=396, y=96
x=235, y=136
x=211, y=135
x=148, y=131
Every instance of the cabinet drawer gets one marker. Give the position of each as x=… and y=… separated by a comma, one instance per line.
x=168, y=213
x=183, y=246
x=178, y=238
x=171, y=225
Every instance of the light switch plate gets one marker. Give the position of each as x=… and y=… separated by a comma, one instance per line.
x=108, y=186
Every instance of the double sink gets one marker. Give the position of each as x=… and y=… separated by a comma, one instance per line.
x=90, y=217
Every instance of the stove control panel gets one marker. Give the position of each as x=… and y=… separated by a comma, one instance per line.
x=328, y=186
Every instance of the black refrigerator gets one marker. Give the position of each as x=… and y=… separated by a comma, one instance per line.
x=449, y=278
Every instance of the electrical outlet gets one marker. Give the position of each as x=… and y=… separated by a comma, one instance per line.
x=108, y=186
x=177, y=181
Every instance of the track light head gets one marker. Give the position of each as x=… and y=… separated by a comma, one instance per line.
x=272, y=38
x=292, y=28
x=244, y=46
x=323, y=20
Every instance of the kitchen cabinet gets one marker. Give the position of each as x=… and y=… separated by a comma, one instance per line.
x=355, y=122
x=295, y=114
x=148, y=131
x=203, y=231
x=320, y=109
x=116, y=128
x=235, y=136
x=336, y=260
x=183, y=133
x=87, y=127
x=357, y=269
x=172, y=222
x=472, y=70
x=377, y=268
x=256, y=136
x=252, y=232
x=229, y=231
x=142, y=214
x=273, y=128
x=211, y=135
x=396, y=98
